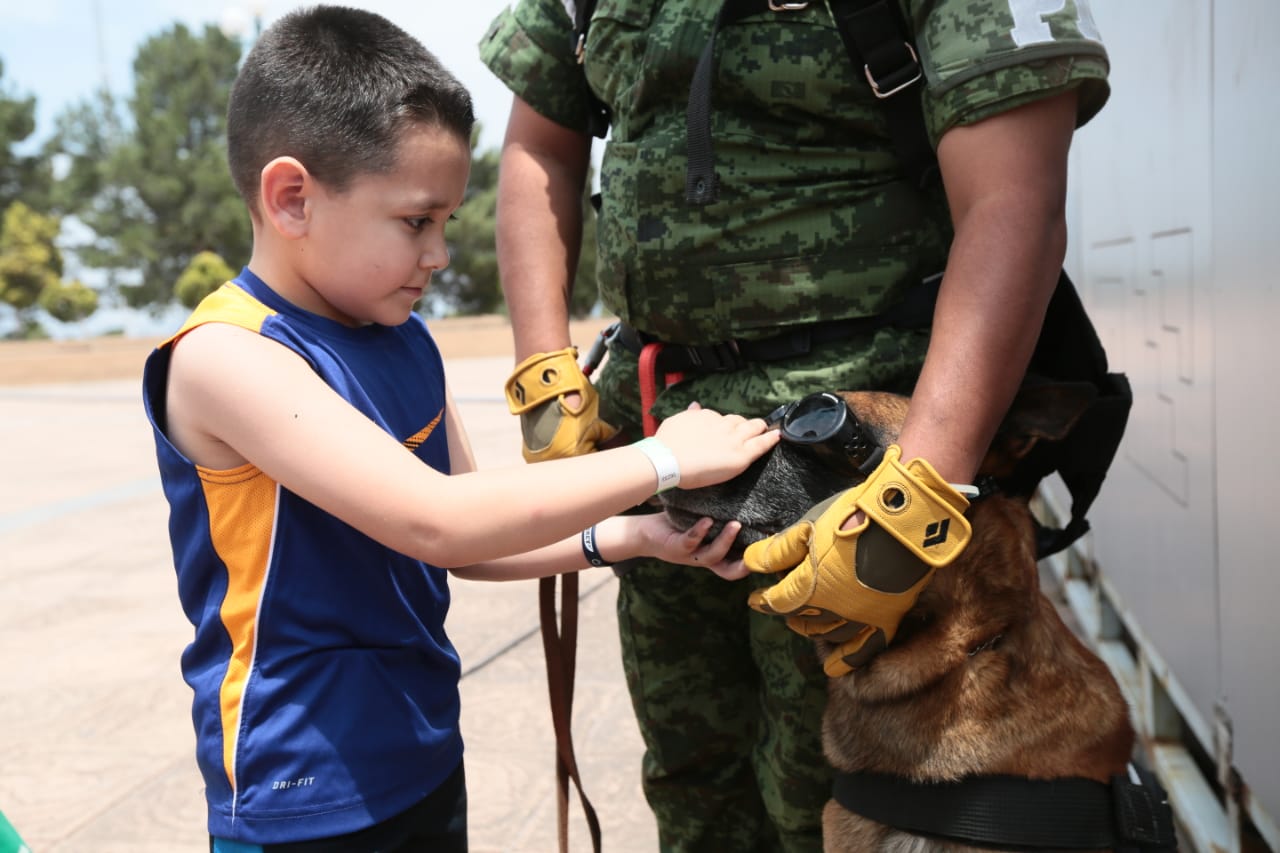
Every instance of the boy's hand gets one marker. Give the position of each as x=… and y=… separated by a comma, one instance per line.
x=711, y=447
x=558, y=407
x=686, y=547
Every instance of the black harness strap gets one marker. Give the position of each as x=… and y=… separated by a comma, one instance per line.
x=701, y=183
x=878, y=41
x=1069, y=350
x=873, y=35
x=1015, y=813
x=598, y=119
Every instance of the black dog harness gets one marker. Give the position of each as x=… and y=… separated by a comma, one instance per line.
x=1130, y=815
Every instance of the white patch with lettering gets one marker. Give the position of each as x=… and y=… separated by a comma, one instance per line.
x=1030, y=26
x=289, y=784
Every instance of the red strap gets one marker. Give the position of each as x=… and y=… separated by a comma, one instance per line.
x=649, y=379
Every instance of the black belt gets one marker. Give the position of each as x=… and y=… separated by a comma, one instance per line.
x=1016, y=813
x=915, y=311
x=734, y=354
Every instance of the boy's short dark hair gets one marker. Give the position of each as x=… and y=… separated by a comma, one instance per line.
x=335, y=87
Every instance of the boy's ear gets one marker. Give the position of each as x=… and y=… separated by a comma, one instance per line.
x=284, y=190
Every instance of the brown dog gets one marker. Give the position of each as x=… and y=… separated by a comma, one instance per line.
x=983, y=678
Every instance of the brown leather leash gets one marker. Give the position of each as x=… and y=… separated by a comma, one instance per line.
x=560, y=636
x=560, y=649
x=560, y=652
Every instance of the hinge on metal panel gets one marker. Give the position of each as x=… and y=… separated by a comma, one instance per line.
x=1222, y=746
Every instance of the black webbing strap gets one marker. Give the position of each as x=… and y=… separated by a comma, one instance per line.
x=598, y=118
x=1069, y=350
x=1015, y=813
x=582, y=12
x=701, y=183
x=879, y=43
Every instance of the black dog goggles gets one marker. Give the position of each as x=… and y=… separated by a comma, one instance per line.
x=823, y=423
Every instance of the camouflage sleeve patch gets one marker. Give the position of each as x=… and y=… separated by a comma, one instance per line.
x=982, y=57
x=528, y=47
x=999, y=91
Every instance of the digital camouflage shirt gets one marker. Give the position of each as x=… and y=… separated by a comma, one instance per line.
x=815, y=220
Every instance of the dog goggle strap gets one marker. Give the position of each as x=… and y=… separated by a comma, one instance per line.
x=824, y=423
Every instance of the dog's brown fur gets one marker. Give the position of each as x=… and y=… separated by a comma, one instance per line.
x=983, y=677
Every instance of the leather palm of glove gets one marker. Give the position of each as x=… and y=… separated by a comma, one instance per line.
x=852, y=587
x=551, y=429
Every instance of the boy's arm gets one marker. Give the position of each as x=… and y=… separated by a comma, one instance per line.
x=237, y=397
x=461, y=458
x=620, y=538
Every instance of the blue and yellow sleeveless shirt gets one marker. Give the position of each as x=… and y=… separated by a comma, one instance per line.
x=326, y=690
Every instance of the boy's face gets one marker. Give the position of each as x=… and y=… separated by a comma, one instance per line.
x=372, y=248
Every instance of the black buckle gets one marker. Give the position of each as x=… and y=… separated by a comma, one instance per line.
x=1142, y=812
x=714, y=358
x=894, y=81
x=799, y=341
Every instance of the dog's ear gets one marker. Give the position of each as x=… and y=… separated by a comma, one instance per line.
x=1041, y=411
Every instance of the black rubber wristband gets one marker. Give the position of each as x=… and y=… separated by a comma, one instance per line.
x=594, y=557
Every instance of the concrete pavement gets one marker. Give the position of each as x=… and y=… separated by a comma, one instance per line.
x=96, y=748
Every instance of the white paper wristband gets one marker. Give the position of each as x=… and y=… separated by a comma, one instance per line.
x=965, y=489
x=663, y=460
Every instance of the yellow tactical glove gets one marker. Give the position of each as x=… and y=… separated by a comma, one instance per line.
x=852, y=587
x=551, y=429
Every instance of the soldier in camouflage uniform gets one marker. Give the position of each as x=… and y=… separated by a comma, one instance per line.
x=815, y=222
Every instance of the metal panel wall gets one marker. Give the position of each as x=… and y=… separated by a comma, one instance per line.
x=1144, y=202
x=1176, y=250
x=1246, y=266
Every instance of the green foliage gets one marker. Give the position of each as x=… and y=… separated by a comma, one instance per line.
x=85, y=136
x=29, y=260
x=469, y=285
x=148, y=178
x=31, y=272
x=26, y=177
x=29, y=329
x=205, y=274
x=159, y=193
x=68, y=301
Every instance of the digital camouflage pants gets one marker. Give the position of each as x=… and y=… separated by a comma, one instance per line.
x=729, y=701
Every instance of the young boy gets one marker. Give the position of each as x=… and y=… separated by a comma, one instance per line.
x=305, y=436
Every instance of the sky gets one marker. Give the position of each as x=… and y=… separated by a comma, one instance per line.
x=61, y=51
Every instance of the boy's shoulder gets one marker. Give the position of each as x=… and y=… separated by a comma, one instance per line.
x=230, y=304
